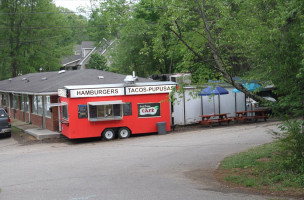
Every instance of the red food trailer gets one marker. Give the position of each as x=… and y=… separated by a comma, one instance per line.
x=114, y=109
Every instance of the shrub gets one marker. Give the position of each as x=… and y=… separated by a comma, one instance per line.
x=292, y=145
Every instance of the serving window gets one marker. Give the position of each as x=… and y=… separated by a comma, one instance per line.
x=105, y=110
x=64, y=111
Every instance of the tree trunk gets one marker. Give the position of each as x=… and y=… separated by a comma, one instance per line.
x=220, y=66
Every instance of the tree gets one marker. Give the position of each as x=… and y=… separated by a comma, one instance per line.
x=258, y=40
x=98, y=61
x=133, y=28
x=32, y=36
x=78, y=25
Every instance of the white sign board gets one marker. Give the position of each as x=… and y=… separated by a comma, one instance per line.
x=155, y=89
x=62, y=93
x=100, y=92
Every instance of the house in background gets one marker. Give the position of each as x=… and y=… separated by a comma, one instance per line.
x=82, y=54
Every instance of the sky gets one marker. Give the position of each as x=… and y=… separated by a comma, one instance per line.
x=73, y=4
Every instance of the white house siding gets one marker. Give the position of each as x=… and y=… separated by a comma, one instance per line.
x=178, y=109
x=188, y=107
x=240, y=101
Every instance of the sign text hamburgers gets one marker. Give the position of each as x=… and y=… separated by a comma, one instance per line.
x=96, y=92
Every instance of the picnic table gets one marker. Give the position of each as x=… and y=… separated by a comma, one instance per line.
x=215, y=118
x=251, y=115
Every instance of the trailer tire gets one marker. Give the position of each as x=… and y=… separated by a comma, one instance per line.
x=124, y=133
x=108, y=134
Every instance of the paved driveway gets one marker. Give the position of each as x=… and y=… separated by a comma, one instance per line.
x=175, y=166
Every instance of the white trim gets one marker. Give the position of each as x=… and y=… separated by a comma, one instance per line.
x=73, y=87
x=57, y=104
x=87, y=55
x=31, y=93
x=70, y=62
x=98, y=103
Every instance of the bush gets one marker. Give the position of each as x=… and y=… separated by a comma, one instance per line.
x=291, y=143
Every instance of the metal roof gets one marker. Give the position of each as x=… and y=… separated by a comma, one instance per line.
x=87, y=45
x=50, y=82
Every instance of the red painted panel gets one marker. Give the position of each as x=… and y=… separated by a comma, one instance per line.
x=81, y=128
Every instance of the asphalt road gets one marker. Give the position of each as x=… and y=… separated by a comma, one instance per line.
x=175, y=166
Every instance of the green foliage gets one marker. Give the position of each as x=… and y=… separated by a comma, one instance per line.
x=143, y=42
x=98, y=61
x=78, y=24
x=261, y=167
x=292, y=145
x=32, y=36
x=250, y=157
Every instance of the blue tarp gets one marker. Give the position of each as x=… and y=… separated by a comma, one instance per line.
x=249, y=86
x=210, y=90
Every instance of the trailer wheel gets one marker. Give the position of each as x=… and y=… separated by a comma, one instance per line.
x=124, y=133
x=108, y=134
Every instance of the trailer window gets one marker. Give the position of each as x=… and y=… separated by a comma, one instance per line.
x=127, y=109
x=82, y=111
x=64, y=111
x=105, y=112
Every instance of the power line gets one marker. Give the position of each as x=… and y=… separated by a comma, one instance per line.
x=28, y=41
x=34, y=13
x=66, y=27
x=51, y=27
x=68, y=12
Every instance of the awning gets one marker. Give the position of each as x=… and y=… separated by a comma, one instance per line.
x=57, y=104
x=104, y=103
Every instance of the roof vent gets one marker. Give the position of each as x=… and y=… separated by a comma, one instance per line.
x=61, y=71
x=100, y=77
x=134, y=77
x=25, y=79
x=129, y=79
x=44, y=78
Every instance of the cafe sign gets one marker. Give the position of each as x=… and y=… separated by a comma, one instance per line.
x=149, y=110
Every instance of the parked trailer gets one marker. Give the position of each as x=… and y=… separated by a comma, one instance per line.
x=114, y=110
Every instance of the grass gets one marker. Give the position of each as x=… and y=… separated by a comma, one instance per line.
x=261, y=169
x=16, y=130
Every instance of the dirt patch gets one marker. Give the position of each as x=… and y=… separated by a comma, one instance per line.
x=22, y=137
x=221, y=174
x=26, y=139
x=264, y=159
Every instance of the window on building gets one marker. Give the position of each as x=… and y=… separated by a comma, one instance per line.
x=39, y=105
x=106, y=110
x=47, y=106
x=24, y=103
x=15, y=101
x=27, y=103
x=34, y=104
x=5, y=100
